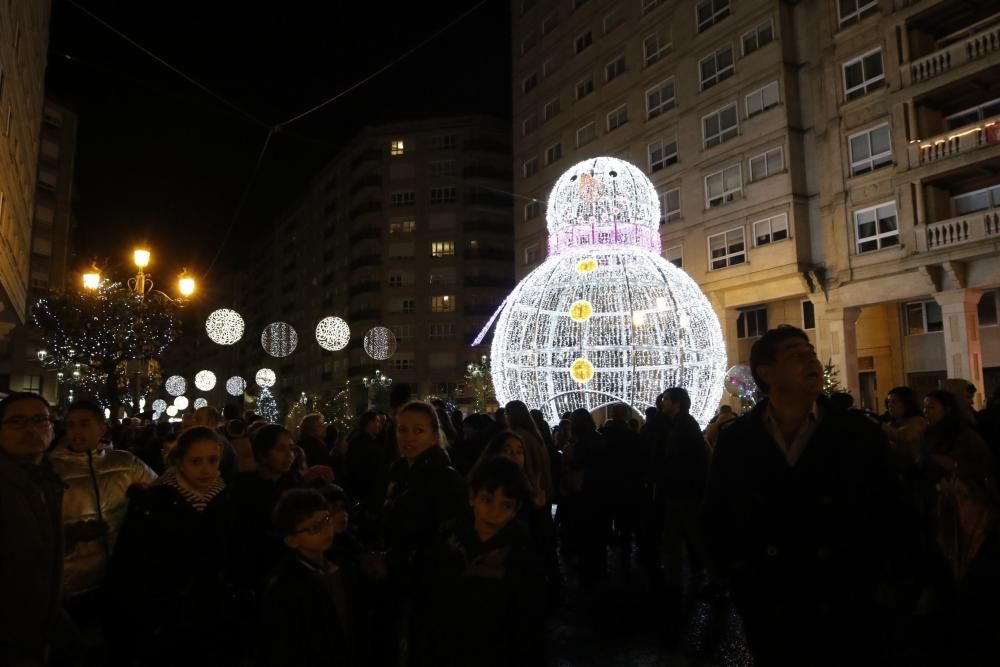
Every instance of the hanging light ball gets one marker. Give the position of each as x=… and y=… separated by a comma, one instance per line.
x=157, y=414
x=235, y=386
x=224, y=326
x=265, y=378
x=171, y=410
x=205, y=380
x=380, y=343
x=332, y=333
x=200, y=403
x=159, y=405
x=279, y=339
x=181, y=403
x=175, y=385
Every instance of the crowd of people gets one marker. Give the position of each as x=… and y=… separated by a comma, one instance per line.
x=428, y=537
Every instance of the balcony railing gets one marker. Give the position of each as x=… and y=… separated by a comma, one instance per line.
x=369, y=233
x=960, y=52
x=365, y=260
x=978, y=226
x=955, y=142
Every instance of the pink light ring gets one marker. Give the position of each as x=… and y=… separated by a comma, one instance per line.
x=593, y=233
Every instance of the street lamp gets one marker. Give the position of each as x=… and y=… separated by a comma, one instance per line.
x=92, y=279
x=141, y=283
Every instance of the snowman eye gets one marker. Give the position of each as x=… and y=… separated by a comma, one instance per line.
x=613, y=174
x=572, y=178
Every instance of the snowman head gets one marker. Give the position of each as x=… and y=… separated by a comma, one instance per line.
x=603, y=201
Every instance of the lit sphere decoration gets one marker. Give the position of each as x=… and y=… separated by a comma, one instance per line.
x=265, y=378
x=236, y=386
x=175, y=385
x=159, y=405
x=181, y=403
x=200, y=403
x=606, y=319
x=205, y=380
x=157, y=414
x=380, y=343
x=333, y=334
x=739, y=382
x=171, y=410
x=279, y=339
x=224, y=326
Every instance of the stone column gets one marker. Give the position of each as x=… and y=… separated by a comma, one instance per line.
x=838, y=343
x=962, y=346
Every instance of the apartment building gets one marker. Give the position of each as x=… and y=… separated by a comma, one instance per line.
x=830, y=164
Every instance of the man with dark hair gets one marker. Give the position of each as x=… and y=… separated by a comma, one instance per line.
x=31, y=543
x=798, y=515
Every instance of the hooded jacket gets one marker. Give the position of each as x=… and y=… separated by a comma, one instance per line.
x=94, y=504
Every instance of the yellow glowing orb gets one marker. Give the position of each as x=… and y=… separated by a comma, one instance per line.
x=581, y=311
x=581, y=370
x=586, y=265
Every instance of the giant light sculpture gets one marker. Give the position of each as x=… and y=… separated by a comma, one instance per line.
x=605, y=318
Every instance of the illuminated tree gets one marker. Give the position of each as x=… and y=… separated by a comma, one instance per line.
x=479, y=383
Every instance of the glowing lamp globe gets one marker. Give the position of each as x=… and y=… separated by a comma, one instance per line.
x=159, y=405
x=333, y=334
x=605, y=319
x=205, y=380
x=224, y=326
x=380, y=343
x=200, y=403
x=235, y=386
x=279, y=339
x=265, y=378
x=175, y=385
x=181, y=403
x=171, y=410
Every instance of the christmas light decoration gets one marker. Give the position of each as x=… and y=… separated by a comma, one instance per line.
x=175, y=385
x=200, y=403
x=157, y=414
x=279, y=339
x=181, y=403
x=224, y=326
x=333, y=334
x=205, y=380
x=171, y=410
x=265, y=378
x=235, y=386
x=159, y=405
x=380, y=343
x=267, y=406
x=606, y=319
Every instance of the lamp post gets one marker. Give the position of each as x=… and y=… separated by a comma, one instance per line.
x=379, y=382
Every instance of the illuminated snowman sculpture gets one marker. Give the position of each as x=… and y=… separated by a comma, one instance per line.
x=605, y=319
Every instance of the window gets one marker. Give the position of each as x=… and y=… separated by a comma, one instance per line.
x=758, y=37
x=529, y=42
x=762, y=99
x=675, y=255
x=649, y=5
x=875, y=228
x=403, y=198
x=613, y=20
x=720, y=125
x=549, y=24
x=585, y=87
x=395, y=280
x=444, y=141
x=870, y=149
x=32, y=383
x=404, y=227
x=442, y=330
x=710, y=12
x=443, y=195
x=617, y=118
x=529, y=124
x=751, y=323
x=652, y=49
x=531, y=254
x=863, y=75
x=399, y=364
x=978, y=200
x=408, y=305
x=446, y=277
x=660, y=99
x=770, y=230
x=586, y=134
x=808, y=314
x=553, y=153
x=670, y=206
x=923, y=317
x=443, y=168
x=988, y=308
x=551, y=109
x=396, y=147
x=662, y=154
x=716, y=67
x=723, y=186
x=548, y=67
x=528, y=83
x=442, y=248
x=582, y=42
x=767, y=164
x=956, y=120
x=531, y=210
x=615, y=68
x=530, y=167
x=727, y=249
x=443, y=304
x=852, y=11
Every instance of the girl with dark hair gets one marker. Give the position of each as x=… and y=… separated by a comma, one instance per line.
x=949, y=443
x=168, y=580
x=905, y=426
x=519, y=421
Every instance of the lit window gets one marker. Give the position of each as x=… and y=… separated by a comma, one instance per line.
x=876, y=228
x=762, y=99
x=553, y=153
x=443, y=304
x=716, y=67
x=852, y=11
x=723, y=186
x=923, y=317
x=582, y=42
x=863, y=75
x=617, y=118
x=586, y=134
x=670, y=206
x=396, y=147
x=675, y=255
x=808, y=314
x=727, y=249
x=770, y=230
x=720, y=125
x=660, y=98
x=585, y=87
x=870, y=149
x=662, y=154
x=551, y=109
x=710, y=12
x=442, y=248
x=530, y=167
x=767, y=164
x=758, y=37
x=615, y=68
x=751, y=323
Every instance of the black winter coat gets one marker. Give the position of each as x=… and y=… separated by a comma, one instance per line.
x=259, y=550
x=685, y=461
x=803, y=547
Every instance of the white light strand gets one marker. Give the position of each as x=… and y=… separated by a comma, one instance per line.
x=333, y=334
x=200, y=403
x=175, y=385
x=224, y=326
x=380, y=343
x=265, y=378
x=205, y=380
x=279, y=339
x=236, y=386
x=159, y=405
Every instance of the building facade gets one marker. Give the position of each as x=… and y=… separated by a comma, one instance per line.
x=831, y=164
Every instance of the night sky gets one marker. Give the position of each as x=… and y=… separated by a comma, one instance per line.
x=159, y=161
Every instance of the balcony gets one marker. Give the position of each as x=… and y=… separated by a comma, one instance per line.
x=954, y=142
x=977, y=226
x=365, y=287
x=365, y=260
x=369, y=181
x=367, y=234
x=367, y=207
x=981, y=40
x=364, y=156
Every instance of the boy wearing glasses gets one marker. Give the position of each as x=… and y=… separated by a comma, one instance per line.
x=308, y=589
